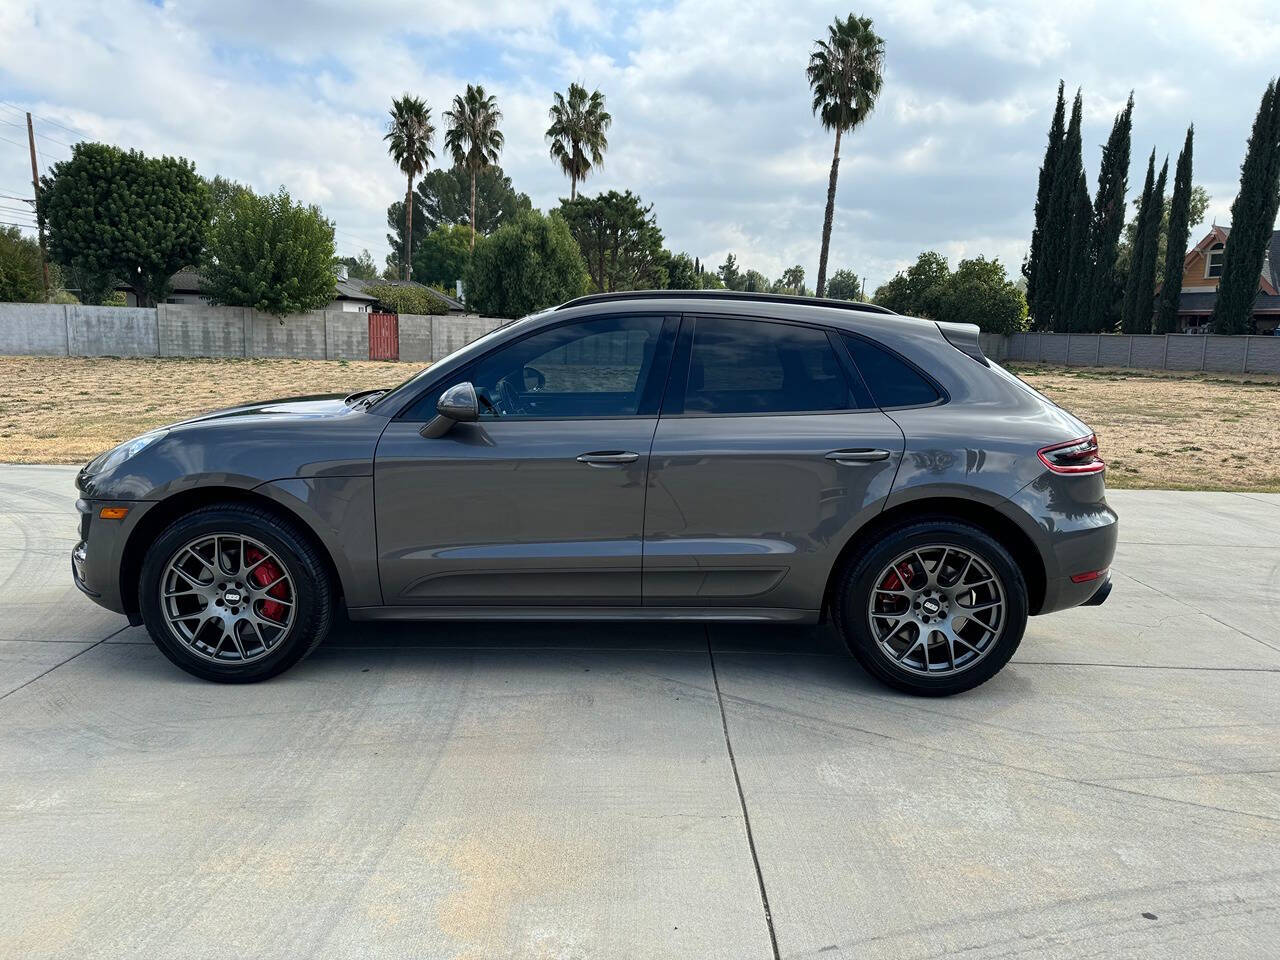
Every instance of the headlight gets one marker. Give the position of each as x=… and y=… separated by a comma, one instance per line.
x=118, y=455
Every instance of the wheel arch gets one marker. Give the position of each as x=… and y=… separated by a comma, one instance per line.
x=154, y=522
x=976, y=513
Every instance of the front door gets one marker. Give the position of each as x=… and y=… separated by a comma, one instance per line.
x=542, y=501
x=768, y=455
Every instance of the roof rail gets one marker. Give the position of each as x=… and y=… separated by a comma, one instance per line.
x=724, y=295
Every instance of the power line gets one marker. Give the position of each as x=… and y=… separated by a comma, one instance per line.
x=62, y=126
x=14, y=196
x=28, y=226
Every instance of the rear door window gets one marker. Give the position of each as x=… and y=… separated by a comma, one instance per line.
x=739, y=366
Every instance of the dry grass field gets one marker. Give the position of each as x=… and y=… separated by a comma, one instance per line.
x=1158, y=430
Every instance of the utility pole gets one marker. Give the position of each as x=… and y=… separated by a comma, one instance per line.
x=35, y=186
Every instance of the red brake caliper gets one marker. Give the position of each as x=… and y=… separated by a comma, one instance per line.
x=263, y=574
x=896, y=578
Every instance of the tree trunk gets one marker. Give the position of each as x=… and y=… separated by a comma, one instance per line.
x=408, y=227
x=573, y=187
x=830, y=215
x=473, y=208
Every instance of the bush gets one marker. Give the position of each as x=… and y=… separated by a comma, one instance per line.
x=21, y=279
x=527, y=265
x=407, y=299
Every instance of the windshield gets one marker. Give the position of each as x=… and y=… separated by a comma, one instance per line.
x=410, y=387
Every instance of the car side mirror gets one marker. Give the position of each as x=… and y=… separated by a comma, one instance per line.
x=458, y=404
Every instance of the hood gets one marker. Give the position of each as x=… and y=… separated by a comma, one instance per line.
x=314, y=407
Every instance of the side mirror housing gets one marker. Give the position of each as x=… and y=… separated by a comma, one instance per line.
x=458, y=404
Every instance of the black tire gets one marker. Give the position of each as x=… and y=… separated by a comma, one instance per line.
x=856, y=581
x=313, y=591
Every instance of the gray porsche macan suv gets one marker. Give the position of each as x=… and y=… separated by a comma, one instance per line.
x=657, y=455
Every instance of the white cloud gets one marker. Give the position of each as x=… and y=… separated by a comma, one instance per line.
x=712, y=120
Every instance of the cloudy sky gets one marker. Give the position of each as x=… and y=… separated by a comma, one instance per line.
x=711, y=109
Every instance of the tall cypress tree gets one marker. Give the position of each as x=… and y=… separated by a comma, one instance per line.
x=1056, y=241
x=1253, y=216
x=1144, y=304
x=1032, y=269
x=1108, y=220
x=1076, y=275
x=1134, y=313
x=1176, y=243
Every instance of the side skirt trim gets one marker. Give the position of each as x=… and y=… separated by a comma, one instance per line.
x=639, y=614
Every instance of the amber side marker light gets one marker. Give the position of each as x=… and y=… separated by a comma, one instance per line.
x=113, y=513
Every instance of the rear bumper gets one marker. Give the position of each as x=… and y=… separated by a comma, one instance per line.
x=1075, y=532
x=1100, y=595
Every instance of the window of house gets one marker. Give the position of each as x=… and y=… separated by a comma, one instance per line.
x=754, y=367
x=1213, y=264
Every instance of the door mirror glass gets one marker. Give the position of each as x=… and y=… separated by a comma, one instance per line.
x=459, y=404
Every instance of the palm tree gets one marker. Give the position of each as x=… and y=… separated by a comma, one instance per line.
x=409, y=135
x=473, y=137
x=577, y=133
x=845, y=72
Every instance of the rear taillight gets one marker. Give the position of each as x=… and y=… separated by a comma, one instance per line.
x=1074, y=456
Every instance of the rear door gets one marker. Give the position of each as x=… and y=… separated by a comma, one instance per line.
x=767, y=455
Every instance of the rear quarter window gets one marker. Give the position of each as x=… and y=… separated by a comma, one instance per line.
x=892, y=381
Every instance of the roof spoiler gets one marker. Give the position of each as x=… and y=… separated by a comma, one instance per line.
x=964, y=337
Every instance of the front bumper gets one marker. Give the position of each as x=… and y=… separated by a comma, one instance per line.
x=97, y=560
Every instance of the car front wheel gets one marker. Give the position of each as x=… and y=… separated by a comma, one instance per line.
x=932, y=608
x=234, y=594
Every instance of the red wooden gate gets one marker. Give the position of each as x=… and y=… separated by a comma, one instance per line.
x=384, y=336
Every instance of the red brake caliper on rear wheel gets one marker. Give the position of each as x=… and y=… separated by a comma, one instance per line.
x=263, y=574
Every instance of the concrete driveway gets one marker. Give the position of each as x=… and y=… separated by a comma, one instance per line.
x=667, y=792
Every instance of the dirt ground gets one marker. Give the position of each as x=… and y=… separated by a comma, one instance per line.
x=1157, y=430
x=1164, y=430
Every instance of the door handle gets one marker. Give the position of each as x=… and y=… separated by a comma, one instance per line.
x=852, y=458
x=606, y=458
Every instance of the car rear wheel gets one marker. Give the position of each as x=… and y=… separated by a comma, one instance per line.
x=234, y=594
x=933, y=608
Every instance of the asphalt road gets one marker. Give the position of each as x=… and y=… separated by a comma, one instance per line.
x=571, y=792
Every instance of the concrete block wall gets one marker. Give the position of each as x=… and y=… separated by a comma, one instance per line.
x=415, y=338
x=197, y=330
x=1147, y=351
x=33, y=329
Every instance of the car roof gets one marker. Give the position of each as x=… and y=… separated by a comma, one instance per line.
x=724, y=296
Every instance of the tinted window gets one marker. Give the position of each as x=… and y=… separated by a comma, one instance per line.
x=596, y=368
x=892, y=382
x=746, y=366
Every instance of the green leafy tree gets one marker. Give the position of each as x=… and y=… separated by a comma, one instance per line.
x=579, y=124
x=1100, y=299
x=792, y=280
x=1139, y=289
x=268, y=253
x=115, y=217
x=526, y=265
x=441, y=256
x=682, y=272
x=21, y=277
x=1253, y=217
x=473, y=137
x=981, y=292
x=1038, y=298
x=845, y=73
x=409, y=136
x=361, y=267
x=1054, y=278
x=407, y=298
x=443, y=199
x=844, y=285
x=620, y=241
x=753, y=281
x=918, y=290
x=729, y=274
x=1176, y=232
